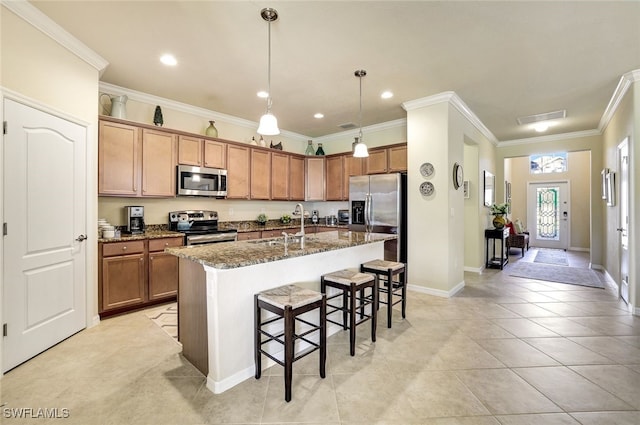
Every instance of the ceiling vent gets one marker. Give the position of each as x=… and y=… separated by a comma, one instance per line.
x=548, y=116
x=348, y=126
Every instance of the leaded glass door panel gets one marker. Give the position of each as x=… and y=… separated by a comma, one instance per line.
x=548, y=215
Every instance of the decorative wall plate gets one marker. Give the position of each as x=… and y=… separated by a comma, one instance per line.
x=458, y=175
x=426, y=189
x=426, y=169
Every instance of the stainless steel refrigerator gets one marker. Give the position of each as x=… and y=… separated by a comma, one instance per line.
x=378, y=204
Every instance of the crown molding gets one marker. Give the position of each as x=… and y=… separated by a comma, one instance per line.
x=46, y=25
x=550, y=138
x=189, y=109
x=626, y=81
x=402, y=122
x=455, y=100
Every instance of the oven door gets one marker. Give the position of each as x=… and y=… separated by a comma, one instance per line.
x=201, y=181
x=211, y=238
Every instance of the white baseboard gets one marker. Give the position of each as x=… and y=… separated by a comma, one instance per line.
x=437, y=292
x=476, y=270
x=95, y=321
x=575, y=248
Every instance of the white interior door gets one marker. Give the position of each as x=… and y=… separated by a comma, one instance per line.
x=548, y=215
x=44, y=256
x=623, y=223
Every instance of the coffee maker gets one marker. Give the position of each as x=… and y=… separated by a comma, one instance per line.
x=134, y=220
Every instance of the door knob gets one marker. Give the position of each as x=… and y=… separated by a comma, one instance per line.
x=81, y=238
x=620, y=229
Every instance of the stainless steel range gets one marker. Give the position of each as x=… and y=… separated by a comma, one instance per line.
x=200, y=227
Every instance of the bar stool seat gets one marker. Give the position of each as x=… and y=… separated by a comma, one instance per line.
x=385, y=271
x=351, y=286
x=288, y=303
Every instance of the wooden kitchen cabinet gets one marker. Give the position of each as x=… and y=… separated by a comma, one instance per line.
x=271, y=233
x=118, y=159
x=189, y=151
x=376, y=162
x=314, y=179
x=335, y=178
x=296, y=178
x=238, y=172
x=352, y=167
x=260, y=174
x=280, y=177
x=397, y=156
x=158, y=163
x=122, y=275
x=215, y=154
x=247, y=236
x=163, y=269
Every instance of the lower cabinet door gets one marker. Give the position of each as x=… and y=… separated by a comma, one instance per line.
x=163, y=275
x=123, y=281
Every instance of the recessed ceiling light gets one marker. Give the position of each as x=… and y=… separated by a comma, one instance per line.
x=318, y=115
x=263, y=94
x=386, y=95
x=541, y=127
x=169, y=60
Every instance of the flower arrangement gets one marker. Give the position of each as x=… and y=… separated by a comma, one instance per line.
x=499, y=208
x=285, y=219
x=262, y=218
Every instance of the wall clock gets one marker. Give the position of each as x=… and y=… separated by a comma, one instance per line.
x=458, y=176
x=426, y=169
x=426, y=189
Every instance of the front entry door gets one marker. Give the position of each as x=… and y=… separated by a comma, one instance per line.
x=548, y=215
x=44, y=256
x=623, y=223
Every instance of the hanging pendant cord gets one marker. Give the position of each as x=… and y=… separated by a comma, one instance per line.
x=269, y=73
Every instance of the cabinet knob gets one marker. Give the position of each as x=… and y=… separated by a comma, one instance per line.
x=124, y=248
x=166, y=244
x=141, y=260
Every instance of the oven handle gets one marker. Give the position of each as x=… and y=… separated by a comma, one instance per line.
x=211, y=238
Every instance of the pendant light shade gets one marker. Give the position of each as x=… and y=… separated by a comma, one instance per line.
x=268, y=122
x=360, y=149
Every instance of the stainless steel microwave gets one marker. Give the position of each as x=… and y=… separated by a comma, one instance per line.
x=201, y=181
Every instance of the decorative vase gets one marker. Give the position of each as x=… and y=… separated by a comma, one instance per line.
x=310, y=150
x=320, y=151
x=499, y=221
x=211, y=131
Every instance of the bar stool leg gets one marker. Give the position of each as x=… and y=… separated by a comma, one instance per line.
x=404, y=292
x=389, y=296
x=323, y=336
x=289, y=323
x=374, y=311
x=257, y=338
x=352, y=319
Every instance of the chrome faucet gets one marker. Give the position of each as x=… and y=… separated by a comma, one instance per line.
x=300, y=210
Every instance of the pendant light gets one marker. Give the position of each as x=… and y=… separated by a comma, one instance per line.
x=359, y=148
x=268, y=122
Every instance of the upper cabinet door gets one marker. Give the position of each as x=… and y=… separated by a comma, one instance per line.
x=280, y=176
x=118, y=159
x=260, y=174
x=296, y=178
x=376, y=162
x=189, y=151
x=314, y=183
x=397, y=158
x=215, y=154
x=335, y=178
x=238, y=169
x=158, y=163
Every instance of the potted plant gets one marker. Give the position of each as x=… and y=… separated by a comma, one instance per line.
x=262, y=219
x=285, y=219
x=499, y=211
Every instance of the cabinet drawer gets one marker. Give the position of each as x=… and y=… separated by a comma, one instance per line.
x=246, y=236
x=161, y=244
x=122, y=248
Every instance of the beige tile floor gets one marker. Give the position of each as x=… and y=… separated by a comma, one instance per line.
x=506, y=350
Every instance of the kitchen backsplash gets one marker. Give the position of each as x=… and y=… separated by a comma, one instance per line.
x=156, y=210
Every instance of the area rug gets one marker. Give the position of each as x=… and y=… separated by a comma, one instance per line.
x=553, y=273
x=552, y=256
x=167, y=318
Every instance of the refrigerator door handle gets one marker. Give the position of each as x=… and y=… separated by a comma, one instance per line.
x=367, y=208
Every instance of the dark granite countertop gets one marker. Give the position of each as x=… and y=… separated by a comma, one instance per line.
x=229, y=255
x=149, y=234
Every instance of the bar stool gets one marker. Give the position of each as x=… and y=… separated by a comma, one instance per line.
x=288, y=303
x=385, y=272
x=351, y=286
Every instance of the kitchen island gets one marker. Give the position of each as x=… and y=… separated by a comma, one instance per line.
x=218, y=283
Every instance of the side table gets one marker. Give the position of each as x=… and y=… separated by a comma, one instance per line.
x=496, y=235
